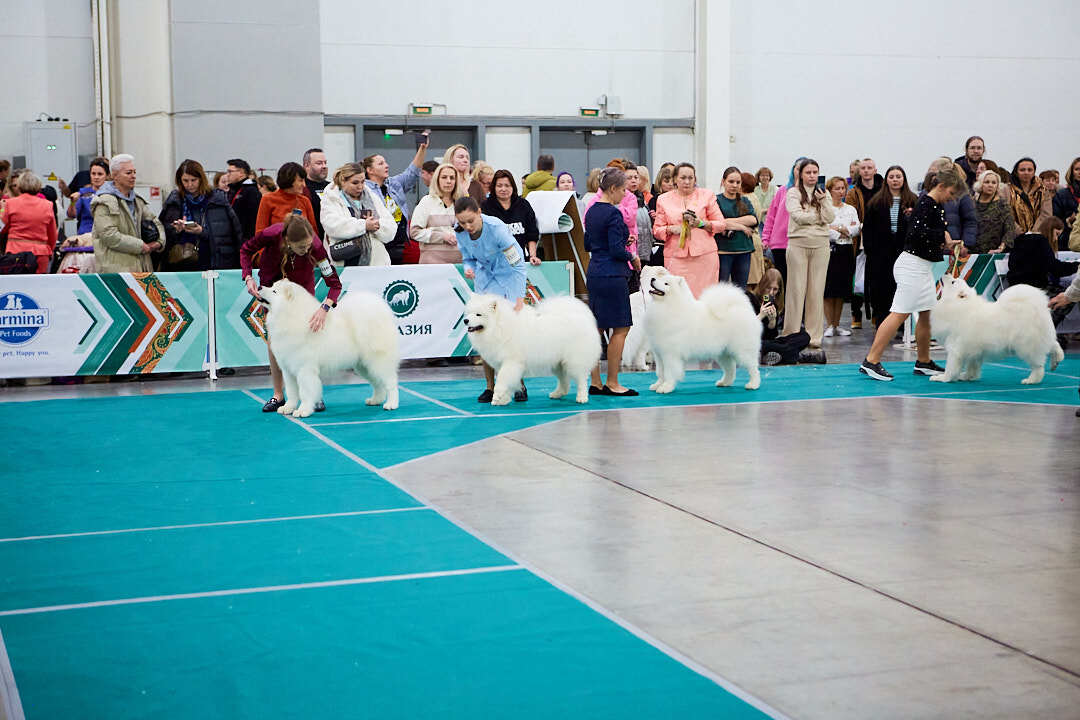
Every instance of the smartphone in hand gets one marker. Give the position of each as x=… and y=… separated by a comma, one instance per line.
x=422, y=138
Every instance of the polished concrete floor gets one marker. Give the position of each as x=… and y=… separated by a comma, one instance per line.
x=894, y=557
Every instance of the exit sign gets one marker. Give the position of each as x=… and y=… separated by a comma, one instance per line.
x=421, y=109
x=590, y=112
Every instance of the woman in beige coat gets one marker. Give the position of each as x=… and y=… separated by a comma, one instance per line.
x=118, y=216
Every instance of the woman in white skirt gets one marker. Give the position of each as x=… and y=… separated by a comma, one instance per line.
x=926, y=240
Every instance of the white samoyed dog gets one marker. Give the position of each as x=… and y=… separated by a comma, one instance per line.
x=636, y=349
x=974, y=329
x=557, y=336
x=359, y=334
x=720, y=326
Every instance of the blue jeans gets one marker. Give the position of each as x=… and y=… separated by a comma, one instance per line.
x=735, y=268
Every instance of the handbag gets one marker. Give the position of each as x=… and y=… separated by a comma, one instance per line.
x=184, y=253
x=355, y=247
x=148, y=232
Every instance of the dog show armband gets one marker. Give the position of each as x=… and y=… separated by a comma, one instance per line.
x=326, y=268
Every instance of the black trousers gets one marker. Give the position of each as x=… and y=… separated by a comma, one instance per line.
x=789, y=346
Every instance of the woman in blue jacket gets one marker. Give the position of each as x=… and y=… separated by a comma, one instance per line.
x=608, y=276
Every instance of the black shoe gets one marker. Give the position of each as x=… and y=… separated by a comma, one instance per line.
x=521, y=395
x=875, y=371
x=320, y=406
x=272, y=405
x=226, y=372
x=593, y=390
x=812, y=357
x=928, y=368
x=628, y=392
x=485, y=397
x=771, y=358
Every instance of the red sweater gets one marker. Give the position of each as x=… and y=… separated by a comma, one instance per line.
x=298, y=268
x=30, y=218
x=276, y=205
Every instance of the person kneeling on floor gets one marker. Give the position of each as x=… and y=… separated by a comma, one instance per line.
x=767, y=297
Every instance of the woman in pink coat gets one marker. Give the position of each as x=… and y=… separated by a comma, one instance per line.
x=774, y=232
x=694, y=257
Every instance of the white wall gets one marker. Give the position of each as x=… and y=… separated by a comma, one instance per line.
x=671, y=145
x=236, y=92
x=904, y=82
x=48, y=67
x=492, y=58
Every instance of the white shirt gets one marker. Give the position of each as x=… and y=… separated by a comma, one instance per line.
x=846, y=216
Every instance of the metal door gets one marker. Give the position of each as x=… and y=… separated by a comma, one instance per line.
x=578, y=151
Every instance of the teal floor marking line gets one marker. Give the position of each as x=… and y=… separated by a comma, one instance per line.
x=476, y=646
x=256, y=590
x=105, y=567
x=30, y=538
x=214, y=459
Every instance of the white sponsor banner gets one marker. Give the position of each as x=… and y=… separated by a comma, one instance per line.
x=427, y=302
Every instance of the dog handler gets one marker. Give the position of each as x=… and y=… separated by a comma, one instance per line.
x=915, y=291
x=493, y=261
x=291, y=250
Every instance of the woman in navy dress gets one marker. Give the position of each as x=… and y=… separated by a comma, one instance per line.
x=608, y=277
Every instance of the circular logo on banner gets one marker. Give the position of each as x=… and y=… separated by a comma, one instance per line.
x=402, y=297
x=21, y=319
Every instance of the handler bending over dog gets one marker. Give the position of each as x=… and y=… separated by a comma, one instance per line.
x=493, y=261
x=292, y=250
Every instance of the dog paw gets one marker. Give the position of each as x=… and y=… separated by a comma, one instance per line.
x=724, y=382
x=556, y=394
x=304, y=411
x=940, y=378
x=582, y=398
x=286, y=409
x=389, y=405
x=752, y=385
x=666, y=388
x=1030, y=381
x=503, y=399
x=372, y=401
x=654, y=386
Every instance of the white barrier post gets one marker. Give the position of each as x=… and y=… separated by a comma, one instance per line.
x=211, y=322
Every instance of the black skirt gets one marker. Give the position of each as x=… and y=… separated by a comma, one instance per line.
x=840, y=277
x=609, y=299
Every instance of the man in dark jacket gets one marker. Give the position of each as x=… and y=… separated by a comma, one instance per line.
x=315, y=170
x=974, y=149
x=244, y=196
x=867, y=184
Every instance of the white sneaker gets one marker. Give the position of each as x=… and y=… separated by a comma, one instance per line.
x=828, y=331
x=843, y=332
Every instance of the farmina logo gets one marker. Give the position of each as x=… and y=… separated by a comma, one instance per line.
x=21, y=319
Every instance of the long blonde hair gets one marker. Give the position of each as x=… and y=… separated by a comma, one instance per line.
x=433, y=189
x=448, y=156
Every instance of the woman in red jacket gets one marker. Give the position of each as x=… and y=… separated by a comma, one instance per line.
x=292, y=250
x=29, y=222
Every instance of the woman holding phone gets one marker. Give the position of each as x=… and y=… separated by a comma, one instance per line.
x=809, y=215
x=357, y=223
x=201, y=230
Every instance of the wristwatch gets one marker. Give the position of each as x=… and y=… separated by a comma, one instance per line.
x=326, y=306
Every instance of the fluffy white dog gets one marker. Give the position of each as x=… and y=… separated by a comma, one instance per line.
x=720, y=326
x=974, y=329
x=636, y=348
x=557, y=336
x=359, y=334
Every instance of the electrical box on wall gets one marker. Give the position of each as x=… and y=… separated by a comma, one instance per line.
x=51, y=149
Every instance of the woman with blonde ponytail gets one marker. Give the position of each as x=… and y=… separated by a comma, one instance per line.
x=926, y=243
x=292, y=250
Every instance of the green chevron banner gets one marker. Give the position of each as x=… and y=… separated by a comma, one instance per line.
x=978, y=271
x=427, y=299
x=77, y=324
